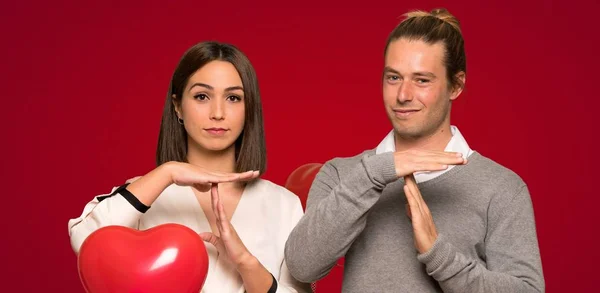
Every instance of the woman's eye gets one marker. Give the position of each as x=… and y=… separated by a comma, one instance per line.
x=234, y=98
x=200, y=97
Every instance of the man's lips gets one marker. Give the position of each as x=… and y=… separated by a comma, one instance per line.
x=405, y=112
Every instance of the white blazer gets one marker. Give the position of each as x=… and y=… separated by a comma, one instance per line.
x=263, y=219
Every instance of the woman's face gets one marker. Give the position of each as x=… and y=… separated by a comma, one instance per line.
x=212, y=107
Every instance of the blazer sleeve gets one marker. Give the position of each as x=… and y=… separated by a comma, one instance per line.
x=104, y=210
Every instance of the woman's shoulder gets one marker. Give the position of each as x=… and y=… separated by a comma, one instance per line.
x=272, y=191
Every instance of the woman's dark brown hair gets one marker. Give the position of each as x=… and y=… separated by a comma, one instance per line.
x=250, y=147
x=432, y=27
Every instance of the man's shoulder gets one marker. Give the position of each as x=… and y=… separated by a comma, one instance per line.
x=485, y=167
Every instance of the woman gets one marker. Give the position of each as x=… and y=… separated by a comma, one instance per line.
x=211, y=149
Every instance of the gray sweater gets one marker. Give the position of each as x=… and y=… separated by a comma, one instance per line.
x=487, y=238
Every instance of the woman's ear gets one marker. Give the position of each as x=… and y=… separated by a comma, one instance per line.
x=176, y=106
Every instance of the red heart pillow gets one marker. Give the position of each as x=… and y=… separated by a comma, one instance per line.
x=165, y=258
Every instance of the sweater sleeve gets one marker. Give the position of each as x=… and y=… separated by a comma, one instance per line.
x=335, y=215
x=287, y=283
x=511, y=248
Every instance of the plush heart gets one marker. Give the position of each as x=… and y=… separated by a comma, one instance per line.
x=165, y=258
x=299, y=182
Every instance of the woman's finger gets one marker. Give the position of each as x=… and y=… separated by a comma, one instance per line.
x=210, y=238
x=210, y=177
x=202, y=187
x=224, y=222
x=214, y=200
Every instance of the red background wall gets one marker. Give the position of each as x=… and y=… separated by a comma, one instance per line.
x=83, y=85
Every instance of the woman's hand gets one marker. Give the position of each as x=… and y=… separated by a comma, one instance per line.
x=148, y=187
x=185, y=174
x=228, y=243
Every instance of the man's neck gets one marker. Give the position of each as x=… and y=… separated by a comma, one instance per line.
x=436, y=141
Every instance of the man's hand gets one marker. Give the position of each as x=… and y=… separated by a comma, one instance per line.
x=424, y=230
x=411, y=161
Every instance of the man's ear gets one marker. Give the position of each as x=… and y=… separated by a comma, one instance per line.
x=458, y=88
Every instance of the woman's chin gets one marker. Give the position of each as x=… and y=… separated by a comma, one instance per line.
x=216, y=147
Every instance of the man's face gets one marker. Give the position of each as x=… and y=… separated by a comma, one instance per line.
x=416, y=91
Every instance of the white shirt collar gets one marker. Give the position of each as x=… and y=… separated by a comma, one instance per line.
x=456, y=144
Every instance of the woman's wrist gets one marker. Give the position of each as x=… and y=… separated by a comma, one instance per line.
x=147, y=188
x=167, y=170
x=248, y=263
x=255, y=276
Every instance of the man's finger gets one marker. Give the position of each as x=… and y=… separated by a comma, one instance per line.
x=424, y=167
x=414, y=189
x=452, y=160
x=438, y=153
x=412, y=202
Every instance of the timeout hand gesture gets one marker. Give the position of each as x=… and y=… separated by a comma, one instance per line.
x=424, y=229
x=185, y=174
x=228, y=243
x=411, y=161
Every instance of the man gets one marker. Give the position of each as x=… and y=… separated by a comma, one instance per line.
x=468, y=226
